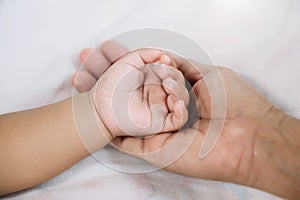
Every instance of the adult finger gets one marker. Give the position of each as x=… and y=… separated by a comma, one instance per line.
x=141, y=57
x=113, y=50
x=161, y=150
x=83, y=81
x=94, y=61
x=192, y=71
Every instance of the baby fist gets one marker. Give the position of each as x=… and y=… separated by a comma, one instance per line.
x=141, y=94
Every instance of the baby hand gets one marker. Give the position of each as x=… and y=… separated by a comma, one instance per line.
x=140, y=96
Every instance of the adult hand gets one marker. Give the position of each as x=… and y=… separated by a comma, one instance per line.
x=95, y=63
x=258, y=145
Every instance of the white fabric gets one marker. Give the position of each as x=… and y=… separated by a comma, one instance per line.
x=40, y=40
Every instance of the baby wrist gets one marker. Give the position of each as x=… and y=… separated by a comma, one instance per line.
x=90, y=128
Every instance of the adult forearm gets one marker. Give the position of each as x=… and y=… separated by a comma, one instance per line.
x=278, y=156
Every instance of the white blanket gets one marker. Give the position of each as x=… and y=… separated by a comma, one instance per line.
x=40, y=40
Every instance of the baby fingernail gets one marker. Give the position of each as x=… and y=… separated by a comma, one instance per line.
x=166, y=58
x=162, y=70
x=181, y=103
x=166, y=70
x=169, y=82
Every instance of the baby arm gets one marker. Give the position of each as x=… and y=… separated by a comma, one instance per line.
x=38, y=144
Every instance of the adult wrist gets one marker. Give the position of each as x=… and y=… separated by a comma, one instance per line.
x=276, y=155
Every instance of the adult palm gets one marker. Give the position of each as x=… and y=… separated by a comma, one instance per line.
x=235, y=156
x=241, y=153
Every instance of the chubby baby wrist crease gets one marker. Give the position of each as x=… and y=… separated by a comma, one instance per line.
x=90, y=128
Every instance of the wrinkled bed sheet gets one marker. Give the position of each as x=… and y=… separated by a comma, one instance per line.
x=40, y=41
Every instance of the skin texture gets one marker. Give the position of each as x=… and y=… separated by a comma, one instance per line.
x=258, y=146
x=133, y=98
x=38, y=144
x=27, y=140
